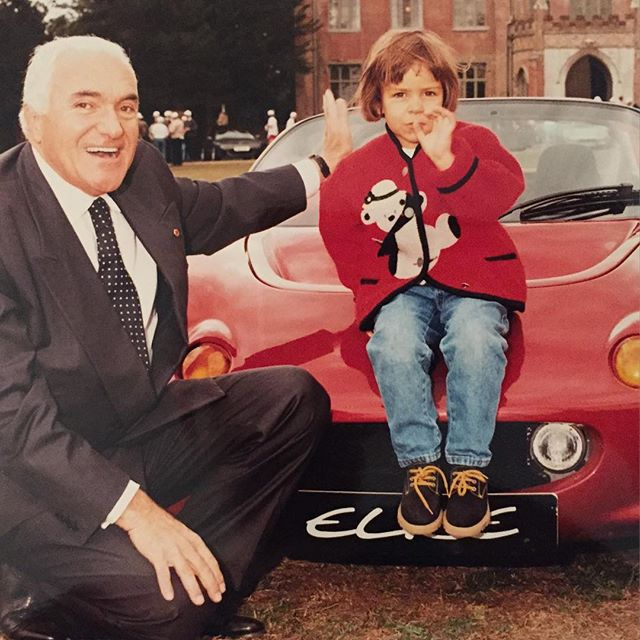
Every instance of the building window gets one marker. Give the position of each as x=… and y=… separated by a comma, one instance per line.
x=469, y=14
x=590, y=8
x=406, y=14
x=344, y=79
x=473, y=80
x=344, y=15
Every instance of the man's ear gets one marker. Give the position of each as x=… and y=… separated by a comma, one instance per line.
x=32, y=124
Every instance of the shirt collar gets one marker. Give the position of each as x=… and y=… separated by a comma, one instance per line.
x=74, y=201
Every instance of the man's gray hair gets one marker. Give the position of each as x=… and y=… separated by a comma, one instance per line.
x=36, y=90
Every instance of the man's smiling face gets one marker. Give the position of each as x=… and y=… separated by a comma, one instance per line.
x=89, y=130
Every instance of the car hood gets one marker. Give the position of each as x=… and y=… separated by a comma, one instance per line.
x=552, y=253
x=279, y=298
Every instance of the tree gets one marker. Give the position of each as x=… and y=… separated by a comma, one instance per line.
x=199, y=54
x=22, y=27
x=263, y=45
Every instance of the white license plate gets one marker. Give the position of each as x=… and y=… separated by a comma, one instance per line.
x=241, y=148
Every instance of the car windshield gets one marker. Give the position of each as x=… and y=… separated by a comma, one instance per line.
x=562, y=145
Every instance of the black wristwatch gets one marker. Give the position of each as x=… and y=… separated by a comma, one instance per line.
x=324, y=167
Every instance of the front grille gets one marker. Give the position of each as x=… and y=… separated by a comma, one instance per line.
x=358, y=457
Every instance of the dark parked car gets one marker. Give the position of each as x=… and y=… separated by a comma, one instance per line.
x=233, y=144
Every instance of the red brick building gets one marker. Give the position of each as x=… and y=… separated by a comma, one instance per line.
x=511, y=47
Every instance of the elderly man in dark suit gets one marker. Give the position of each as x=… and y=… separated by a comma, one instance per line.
x=96, y=438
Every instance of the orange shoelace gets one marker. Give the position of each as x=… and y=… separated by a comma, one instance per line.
x=467, y=480
x=426, y=477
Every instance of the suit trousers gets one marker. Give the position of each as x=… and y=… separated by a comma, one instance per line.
x=236, y=461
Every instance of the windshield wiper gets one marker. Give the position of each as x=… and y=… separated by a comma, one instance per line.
x=581, y=204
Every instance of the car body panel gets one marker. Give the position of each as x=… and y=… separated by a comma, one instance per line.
x=295, y=257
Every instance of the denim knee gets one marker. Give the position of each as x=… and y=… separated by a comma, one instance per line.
x=394, y=348
x=476, y=339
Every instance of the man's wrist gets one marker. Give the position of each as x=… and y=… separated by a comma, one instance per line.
x=139, y=506
x=120, y=506
x=322, y=165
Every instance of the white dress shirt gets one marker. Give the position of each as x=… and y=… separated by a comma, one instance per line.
x=139, y=264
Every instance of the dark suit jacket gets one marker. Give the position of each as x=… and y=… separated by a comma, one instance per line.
x=71, y=383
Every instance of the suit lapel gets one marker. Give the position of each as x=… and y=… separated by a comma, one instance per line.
x=73, y=282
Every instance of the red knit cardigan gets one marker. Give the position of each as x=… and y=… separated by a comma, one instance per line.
x=390, y=221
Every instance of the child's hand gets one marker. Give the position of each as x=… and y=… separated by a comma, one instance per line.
x=434, y=136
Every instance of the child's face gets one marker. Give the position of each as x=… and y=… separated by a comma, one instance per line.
x=412, y=100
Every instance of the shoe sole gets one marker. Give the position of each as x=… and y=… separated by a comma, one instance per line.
x=420, y=529
x=474, y=531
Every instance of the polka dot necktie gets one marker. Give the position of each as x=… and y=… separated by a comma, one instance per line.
x=116, y=279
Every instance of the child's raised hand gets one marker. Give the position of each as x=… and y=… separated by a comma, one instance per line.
x=434, y=136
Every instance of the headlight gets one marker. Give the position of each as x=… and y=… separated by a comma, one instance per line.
x=626, y=361
x=206, y=360
x=558, y=446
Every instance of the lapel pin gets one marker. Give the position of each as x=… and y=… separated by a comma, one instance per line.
x=176, y=232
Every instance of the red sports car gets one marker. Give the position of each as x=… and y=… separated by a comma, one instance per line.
x=565, y=453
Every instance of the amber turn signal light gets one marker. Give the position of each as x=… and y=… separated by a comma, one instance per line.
x=206, y=360
x=626, y=361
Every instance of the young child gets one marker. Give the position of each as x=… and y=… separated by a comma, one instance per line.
x=411, y=221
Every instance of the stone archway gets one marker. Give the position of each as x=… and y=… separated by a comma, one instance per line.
x=588, y=77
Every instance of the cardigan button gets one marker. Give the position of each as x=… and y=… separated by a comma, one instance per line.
x=176, y=232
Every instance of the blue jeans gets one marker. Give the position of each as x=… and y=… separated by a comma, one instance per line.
x=471, y=336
